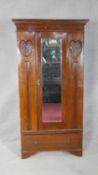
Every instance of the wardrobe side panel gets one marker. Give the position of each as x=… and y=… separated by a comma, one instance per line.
x=27, y=79
x=74, y=83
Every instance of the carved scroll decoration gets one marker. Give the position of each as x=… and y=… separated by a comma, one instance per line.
x=75, y=48
x=25, y=47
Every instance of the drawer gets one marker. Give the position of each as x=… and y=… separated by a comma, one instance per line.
x=52, y=142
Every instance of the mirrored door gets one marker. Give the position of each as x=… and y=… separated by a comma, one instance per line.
x=50, y=78
x=51, y=65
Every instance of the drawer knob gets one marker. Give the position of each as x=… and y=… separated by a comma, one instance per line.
x=45, y=27
x=34, y=142
x=69, y=141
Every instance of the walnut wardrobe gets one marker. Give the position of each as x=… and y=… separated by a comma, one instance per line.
x=50, y=66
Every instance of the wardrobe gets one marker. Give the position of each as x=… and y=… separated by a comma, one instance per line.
x=50, y=71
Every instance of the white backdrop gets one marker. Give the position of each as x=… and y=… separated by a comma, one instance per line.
x=47, y=162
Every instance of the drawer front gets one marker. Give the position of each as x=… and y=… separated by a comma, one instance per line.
x=52, y=142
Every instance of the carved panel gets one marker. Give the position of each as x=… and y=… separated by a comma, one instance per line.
x=25, y=47
x=75, y=48
x=27, y=75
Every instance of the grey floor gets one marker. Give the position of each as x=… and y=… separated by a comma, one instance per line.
x=48, y=162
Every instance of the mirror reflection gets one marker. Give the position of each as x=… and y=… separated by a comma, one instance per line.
x=51, y=79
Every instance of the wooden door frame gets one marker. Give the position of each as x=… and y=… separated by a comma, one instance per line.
x=41, y=124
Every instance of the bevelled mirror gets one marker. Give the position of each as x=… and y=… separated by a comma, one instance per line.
x=51, y=79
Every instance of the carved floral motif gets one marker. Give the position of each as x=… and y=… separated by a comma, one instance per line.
x=25, y=47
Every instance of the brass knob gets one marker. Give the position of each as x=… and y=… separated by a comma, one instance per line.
x=45, y=27
x=34, y=142
x=68, y=141
x=38, y=82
